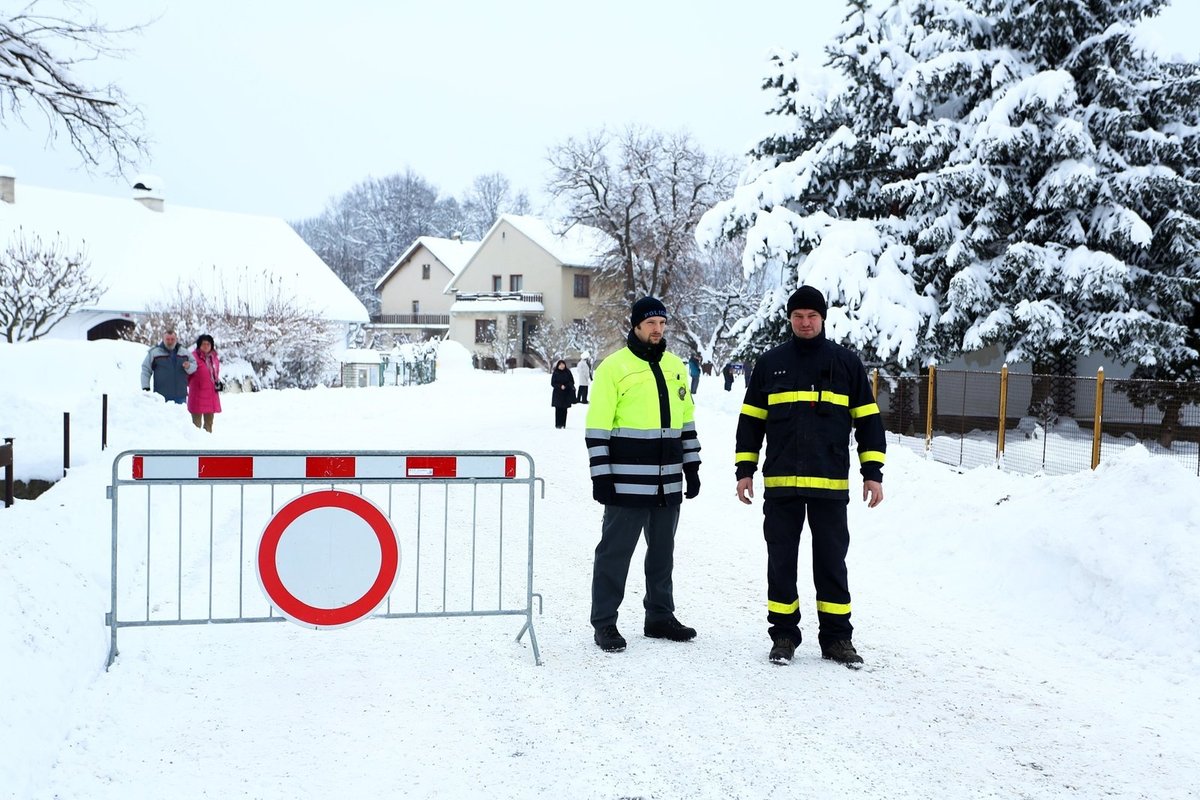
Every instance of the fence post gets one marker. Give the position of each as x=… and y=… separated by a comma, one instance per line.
x=929, y=406
x=6, y=461
x=104, y=422
x=1003, y=413
x=1098, y=420
x=66, y=442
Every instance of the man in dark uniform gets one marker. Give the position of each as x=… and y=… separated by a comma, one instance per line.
x=804, y=397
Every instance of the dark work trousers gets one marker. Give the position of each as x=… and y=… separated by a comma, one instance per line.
x=560, y=416
x=783, y=520
x=619, y=534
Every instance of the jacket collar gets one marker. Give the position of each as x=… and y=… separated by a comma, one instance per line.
x=646, y=352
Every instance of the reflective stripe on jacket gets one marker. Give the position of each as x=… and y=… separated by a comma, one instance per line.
x=805, y=397
x=640, y=429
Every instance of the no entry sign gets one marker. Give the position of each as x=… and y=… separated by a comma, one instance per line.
x=327, y=559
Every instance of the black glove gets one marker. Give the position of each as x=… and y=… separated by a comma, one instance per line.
x=692, y=478
x=145, y=388
x=602, y=489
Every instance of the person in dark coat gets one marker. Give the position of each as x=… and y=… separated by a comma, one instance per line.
x=727, y=374
x=169, y=364
x=564, y=392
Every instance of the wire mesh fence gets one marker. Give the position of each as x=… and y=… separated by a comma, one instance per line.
x=1034, y=423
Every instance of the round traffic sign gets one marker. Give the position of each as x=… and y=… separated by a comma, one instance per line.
x=327, y=559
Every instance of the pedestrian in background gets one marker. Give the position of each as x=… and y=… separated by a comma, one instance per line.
x=583, y=372
x=694, y=372
x=805, y=396
x=727, y=374
x=203, y=399
x=643, y=451
x=168, y=365
x=563, y=395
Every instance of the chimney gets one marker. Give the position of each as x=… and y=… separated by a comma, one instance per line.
x=8, y=185
x=148, y=190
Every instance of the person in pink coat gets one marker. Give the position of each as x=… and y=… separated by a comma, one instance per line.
x=202, y=399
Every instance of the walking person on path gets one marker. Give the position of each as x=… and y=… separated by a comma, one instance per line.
x=204, y=401
x=168, y=365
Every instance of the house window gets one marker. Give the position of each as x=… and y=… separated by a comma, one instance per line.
x=497, y=283
x=416, y=306
x=424, y=272
x=583, y=285
x=485, y=330
x=515, y=283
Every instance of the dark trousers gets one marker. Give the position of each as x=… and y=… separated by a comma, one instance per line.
x=619, y=534
x=583, y=393
x=560, y=416
x=783, y=520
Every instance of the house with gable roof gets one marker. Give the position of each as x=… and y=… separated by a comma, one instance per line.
x=413, y=293
x=144, y=251
x=525, y=273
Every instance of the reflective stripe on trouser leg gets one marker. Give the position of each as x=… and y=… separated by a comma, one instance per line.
x=783, y=520
x=661, y=523
x=830, y=541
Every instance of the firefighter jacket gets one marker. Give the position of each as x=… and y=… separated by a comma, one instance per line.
x=804, y=396
x=641, y=438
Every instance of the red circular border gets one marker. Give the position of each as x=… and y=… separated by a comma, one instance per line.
x=299, y=611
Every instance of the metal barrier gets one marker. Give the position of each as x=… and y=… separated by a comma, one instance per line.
x=6, y=461
x=180, y=521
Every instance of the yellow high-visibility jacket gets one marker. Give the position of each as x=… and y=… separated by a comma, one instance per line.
x=640, y=434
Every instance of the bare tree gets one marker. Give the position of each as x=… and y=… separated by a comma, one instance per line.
x=646, y=190
x=40, y=285
x=38, y=55
x=490, y=196
x=550, y=341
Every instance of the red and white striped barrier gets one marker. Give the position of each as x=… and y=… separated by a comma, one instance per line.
x=280, y=467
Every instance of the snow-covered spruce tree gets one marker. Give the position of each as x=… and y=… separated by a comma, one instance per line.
x=810, y=203
x=1024, y=176
x=1056, y=209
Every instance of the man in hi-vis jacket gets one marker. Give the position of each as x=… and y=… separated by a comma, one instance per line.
x=643, y=450
x=804, y=397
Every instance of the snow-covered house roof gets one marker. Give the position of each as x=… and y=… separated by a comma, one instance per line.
x=144, y=251
x=453, y=253
x=577, y=246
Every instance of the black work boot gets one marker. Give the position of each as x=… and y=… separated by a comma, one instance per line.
x=610, y=639
x=842, y=651
x=669, y=628
x=782, y=650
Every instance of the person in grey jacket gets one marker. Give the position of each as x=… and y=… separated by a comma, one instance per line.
x=169, y=365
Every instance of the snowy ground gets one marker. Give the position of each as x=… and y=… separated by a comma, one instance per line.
x=1027, y=637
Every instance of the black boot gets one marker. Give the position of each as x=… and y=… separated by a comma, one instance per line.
x=782, y=650
x=610, y=639
x=842, y=651
x=669, y=628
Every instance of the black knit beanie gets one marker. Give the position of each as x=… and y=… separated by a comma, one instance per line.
x=809, y=298
x=646, y=308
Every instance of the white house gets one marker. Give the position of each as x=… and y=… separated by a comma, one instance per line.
x=413, y=293
x=145, y=251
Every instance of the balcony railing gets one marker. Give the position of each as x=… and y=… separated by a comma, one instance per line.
x=524, y=297
x=419, y=320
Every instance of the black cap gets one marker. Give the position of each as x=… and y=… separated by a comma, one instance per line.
x=809, y=298
x=646, y=308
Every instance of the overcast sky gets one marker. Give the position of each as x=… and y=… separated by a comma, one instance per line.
x=277, y=106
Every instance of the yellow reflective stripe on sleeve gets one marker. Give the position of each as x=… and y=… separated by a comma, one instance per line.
x=835, y=398
x=740, y=457
x=864, y=411
x=833, y=608
x=754, y=411
x=791, y=397
x=870, y=455
x=783, y=608
x=804, y=482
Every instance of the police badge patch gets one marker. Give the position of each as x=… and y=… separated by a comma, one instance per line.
x=682, y=392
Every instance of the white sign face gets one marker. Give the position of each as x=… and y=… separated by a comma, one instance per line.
x=327, y=559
